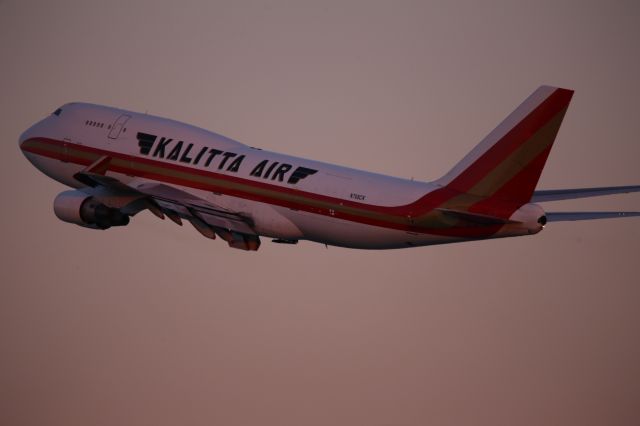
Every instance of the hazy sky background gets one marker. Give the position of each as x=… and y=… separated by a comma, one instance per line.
x=154, y=325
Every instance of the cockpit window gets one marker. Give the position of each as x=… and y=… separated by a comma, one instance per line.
x=57, y=112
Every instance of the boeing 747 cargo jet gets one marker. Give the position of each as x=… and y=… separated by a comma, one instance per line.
x=121, y=162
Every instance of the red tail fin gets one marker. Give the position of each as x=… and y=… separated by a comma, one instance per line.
x=506, y=165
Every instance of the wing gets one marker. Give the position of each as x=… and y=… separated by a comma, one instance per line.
x=569, y=194
x=208, y=219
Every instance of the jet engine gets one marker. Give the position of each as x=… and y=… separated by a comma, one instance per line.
x=82, y=209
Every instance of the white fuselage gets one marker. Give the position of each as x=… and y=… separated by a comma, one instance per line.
x=286, y=197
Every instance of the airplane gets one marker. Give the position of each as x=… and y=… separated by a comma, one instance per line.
x=120, y=163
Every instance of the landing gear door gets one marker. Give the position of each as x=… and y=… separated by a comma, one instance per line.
x=118, y=125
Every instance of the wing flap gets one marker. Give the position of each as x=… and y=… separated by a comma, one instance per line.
x=178, y=203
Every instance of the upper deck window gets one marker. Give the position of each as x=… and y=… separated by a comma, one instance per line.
x=57, y=112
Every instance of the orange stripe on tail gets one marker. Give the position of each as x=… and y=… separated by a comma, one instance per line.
x=500, y=174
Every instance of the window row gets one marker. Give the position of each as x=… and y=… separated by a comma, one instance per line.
x=95, y=124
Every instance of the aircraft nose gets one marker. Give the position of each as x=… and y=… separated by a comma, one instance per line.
x=35, y=130
x=24, y=137
x=45, y=126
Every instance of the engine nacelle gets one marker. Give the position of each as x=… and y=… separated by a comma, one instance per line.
x=77, y=207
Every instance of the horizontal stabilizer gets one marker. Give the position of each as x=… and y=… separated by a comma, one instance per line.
x=569, y=194
x=571, y=216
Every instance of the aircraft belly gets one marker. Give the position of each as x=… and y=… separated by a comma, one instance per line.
x=343, y=233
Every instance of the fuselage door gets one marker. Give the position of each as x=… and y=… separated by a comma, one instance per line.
x=65, y=150
x=118, y=125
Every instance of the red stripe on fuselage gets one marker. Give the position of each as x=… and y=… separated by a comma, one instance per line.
x=397, y=217
x=97, y=152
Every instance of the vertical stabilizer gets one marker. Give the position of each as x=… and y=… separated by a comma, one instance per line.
x=506, y=165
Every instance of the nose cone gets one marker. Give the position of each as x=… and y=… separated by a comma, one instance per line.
x=27, y=144
x=42, y=128
x=25, y=140
x=24, y=137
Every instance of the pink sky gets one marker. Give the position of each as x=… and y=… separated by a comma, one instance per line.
x=153, y=324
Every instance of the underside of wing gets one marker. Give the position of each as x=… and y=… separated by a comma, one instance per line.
x=208, y=219
x=569, y=194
